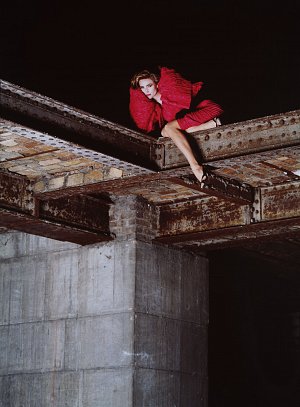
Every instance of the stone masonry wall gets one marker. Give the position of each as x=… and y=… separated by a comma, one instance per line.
x=66, y=315
x=118, y=324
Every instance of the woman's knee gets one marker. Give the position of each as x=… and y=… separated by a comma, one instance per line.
x=168, y=129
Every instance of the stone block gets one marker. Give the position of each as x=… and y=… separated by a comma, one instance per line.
x=61, y=285
x=172, y=283
x=158, y=284
x=56, y=183
x=108, y=388
x=96, y=342
x=194, y=289
x=106, y=279
x=93, y=176
x=24, y=282
x=33, y=347
x=177, y=345
x=156, y=388
x=75, y=179
x=41, y=390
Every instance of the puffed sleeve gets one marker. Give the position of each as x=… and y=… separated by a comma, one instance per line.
x=175, y=90
x=142, y=110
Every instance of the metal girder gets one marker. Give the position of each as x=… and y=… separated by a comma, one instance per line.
x=15, y=192
x=30, y=224
x=280, y=201
x=237, y=139
x=221, y=187
x=233, y=236
x=200, y=215
x=80, y=211
x=71, y=124
x=20, y=210
x=270, y=203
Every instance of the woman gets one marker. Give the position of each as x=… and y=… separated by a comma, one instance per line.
x=168, y=103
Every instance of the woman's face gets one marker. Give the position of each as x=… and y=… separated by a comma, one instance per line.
x=148, y=87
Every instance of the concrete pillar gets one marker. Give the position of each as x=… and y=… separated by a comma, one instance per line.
x=119, y=324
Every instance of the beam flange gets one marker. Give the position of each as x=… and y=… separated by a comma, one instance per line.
x=30, y=224
x=71, y=124
x=233, y=236
x=237, y=139
x=270, y=203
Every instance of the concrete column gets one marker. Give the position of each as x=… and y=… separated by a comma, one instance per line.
x=119, y=324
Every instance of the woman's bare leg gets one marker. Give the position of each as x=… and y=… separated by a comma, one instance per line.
x=204, y=126
x=173, y=131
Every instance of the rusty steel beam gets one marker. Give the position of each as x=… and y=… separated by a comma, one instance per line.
x=22, y=211
x=269, y=203
x=280, y=201
x=83, y=212
x=29, y=224
x=201, y=214
x=15, y=192
x=237, y=139
x=221, y=187
x=70, y=124
x=234, y=236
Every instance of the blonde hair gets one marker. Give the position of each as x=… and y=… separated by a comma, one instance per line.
x=145, y=74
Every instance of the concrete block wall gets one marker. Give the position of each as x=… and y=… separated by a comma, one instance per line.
x=171, y=317
x=66, y=318
x=109, y=325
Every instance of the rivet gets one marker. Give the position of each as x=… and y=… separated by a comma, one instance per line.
x=281, y=122
x=206, y=137
x=283, y=135
x=219, y=135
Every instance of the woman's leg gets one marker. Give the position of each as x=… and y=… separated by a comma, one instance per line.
x=173, y=131
x=204, y=126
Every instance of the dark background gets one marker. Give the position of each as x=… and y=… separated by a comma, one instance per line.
x=247, y=53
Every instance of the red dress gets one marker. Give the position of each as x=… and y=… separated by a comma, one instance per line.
x=177, y=94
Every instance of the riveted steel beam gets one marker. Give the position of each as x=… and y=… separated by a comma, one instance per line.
x=70, y=124
x=20, y=210
x=280, y=201
x=237, y=139
x=81, y=211
x=15, y=192
x=30, y=224
x=221, y=187
x=270, y=203
x=201, y=214
x=234, y=236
